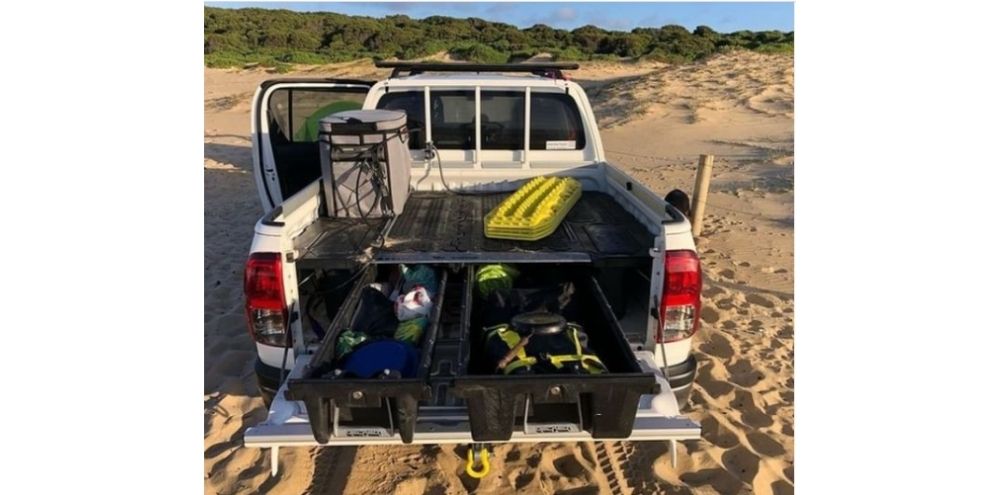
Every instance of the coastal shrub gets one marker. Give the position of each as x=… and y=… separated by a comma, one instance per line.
x=268, y=37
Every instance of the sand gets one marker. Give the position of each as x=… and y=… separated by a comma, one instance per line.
x=655, y=120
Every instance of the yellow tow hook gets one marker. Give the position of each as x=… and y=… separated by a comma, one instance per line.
x=477, y=454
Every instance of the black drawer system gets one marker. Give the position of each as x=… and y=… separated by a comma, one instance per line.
x=450, y=375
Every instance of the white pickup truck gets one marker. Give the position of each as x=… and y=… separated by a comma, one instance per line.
x=629, y=252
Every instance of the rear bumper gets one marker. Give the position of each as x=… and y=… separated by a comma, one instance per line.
x=657, y=418
x=682, y=375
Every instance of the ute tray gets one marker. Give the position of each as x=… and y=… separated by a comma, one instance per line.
x=440, y=226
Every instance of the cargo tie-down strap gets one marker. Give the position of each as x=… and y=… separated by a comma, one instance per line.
x=591, y=363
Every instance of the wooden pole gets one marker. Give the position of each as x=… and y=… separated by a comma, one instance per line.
x=701, y=182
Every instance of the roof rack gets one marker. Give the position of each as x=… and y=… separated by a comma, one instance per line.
x=544, y=69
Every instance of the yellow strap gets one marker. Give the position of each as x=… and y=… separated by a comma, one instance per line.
x=576, y=340
x=594, y=369
x=519, y=363
x=510, y=338
x=590, y=362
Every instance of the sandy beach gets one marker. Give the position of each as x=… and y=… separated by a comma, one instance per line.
x=655, y=121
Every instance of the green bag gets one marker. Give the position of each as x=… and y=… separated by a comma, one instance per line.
x=410, y=331
x=492, y=278
x=347, y=341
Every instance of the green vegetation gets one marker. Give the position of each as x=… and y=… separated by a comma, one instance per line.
x=279, y=38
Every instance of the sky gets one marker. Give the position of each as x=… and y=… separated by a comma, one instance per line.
x=721, y=16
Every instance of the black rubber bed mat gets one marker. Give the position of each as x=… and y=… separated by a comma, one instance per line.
x=338, y=242
x=445, y=227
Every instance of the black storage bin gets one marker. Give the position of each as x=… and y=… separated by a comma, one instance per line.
x=373, y=403
x=602, y=404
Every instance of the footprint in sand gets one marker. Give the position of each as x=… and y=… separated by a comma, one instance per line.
x=721, y=480
x=786, y=332
x=714, y=388
x=569, y=467
x=521, y=478
x=744, y=374
x=759, y=300
x=718, y=434
x=741, y=462
x=709, y=315
x=764, y=444
x=782, y=487
x=717, y=346
x=750, y=415
x=712, y=291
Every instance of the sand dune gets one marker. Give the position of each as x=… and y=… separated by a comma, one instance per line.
x=657, y=119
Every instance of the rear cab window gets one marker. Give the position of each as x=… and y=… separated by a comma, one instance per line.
x=554, y=123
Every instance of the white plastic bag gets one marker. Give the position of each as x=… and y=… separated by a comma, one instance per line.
x=414, y=304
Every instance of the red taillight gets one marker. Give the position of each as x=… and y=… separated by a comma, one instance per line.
x=680, y=304
x=265, y=299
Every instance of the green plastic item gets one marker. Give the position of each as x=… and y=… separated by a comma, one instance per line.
x=421, y=275
x=410, y=331
x=309, y=132
x=347, y=341
x=492, y=278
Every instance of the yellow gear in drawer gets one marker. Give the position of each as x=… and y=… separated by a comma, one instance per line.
x=533, y=211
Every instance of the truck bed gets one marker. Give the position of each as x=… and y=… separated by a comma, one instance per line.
x=440, y=227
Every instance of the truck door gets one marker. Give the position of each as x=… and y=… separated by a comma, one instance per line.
x=285, y=124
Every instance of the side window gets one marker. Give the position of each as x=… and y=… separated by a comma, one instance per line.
x=412, y=103
x=453, y=119
x=293, y=129
x=555, y=123
x=295, y=113
x=502, y=120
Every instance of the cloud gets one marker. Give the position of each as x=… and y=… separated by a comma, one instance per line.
x=618, y=24
x=563, y=14
x=611, y=24
x=501, y=8
x=395, y=6
x=558, y=16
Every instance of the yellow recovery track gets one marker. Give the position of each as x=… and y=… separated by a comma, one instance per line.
x=535, y=210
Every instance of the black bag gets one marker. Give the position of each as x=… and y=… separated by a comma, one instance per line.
x=376, y=316
x=502, y=306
